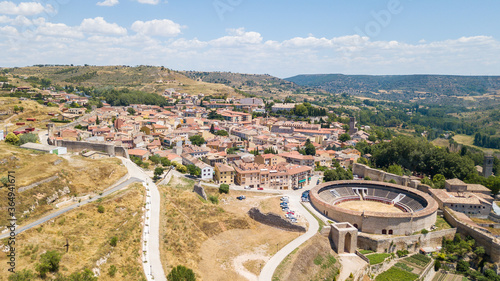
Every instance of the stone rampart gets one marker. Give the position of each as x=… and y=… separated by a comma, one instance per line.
x=77, y=146
x=364, y=171
x=489, y=242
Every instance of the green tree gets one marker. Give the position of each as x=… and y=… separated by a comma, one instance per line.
x=181, y=168
x=29, y=137
x=131, y=111
x=395, y=169
x=193, y=170
x=462, y=266
x=224, y=188
x=212, y=129
x=310, y=149
x=197, y=140
x=222, y=133
x=97, y=121
x=165, y=162
x=22, y=275
x=181, y=273
x=344, y=137
x=158, y=171
x=362, y=160
x=155, y=159
x=300, y=110
x=438, y=181
x=12, y=138
x=232, y=150
x=437, y=265
x=49, y=262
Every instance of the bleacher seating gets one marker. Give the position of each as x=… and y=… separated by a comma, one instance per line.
x=343, y=194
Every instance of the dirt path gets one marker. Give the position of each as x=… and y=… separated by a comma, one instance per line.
x=240, y=268
x=351, y=263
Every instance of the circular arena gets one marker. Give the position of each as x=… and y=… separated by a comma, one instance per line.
x=375, y=207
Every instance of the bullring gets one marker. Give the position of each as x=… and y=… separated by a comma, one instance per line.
x=375, y=207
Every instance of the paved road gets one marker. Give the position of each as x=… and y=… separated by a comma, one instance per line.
x=48, y=217
x=153, y=268
x=295, y=203
x=43, y=136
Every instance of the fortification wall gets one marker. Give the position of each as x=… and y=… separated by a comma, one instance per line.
x=491, y=244
x=77, y=146
x=364, y=171
x=411, y=243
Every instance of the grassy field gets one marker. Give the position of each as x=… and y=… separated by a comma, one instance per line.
x=89, y=234
x=396, y=274
x=469, y=140
x=313, y=260
x=377, y=257
x=209, y=238
x=441, y=224
x=80, y=175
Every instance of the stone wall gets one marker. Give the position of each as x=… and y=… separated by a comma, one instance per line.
x=411, y=243
x=77, y=146
x=364, y=171
x=491, y=244
x=198, y=189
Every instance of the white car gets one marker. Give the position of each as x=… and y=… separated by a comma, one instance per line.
x=247, y=187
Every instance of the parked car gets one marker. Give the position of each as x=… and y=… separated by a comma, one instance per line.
x=260, y=188
x=284, y=198
x=317, y=182
x=247, y=187
x=242, y=197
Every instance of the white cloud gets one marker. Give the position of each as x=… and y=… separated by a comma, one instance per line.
x=98, y=42
x=108, y=3
x=99, y=26
x=59, y=30
x=151, y=2
x=163, y=27
x=24, y=8
x=237, y=37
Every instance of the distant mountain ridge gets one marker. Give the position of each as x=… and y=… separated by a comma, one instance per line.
x=408, y=84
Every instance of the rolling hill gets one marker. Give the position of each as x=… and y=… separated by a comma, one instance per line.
x=408, y=85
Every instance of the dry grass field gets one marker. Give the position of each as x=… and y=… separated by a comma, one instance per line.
x=469, y=140
x=142, y=78
x=313, y=260
x=89, y=234
x=218, y=241
x=82, y=176
x=32, y=109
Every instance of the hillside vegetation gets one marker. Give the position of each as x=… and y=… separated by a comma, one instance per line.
x=150, y=79
x=408, y=84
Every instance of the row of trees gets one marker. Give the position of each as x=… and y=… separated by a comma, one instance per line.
x=487, y=141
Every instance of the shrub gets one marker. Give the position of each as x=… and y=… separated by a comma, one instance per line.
x=214, y=199
x=29, y=137
x=224, y=188
x=12, y=139
x=181, y=273
x=424, y=231
x=49, y=262
x=437, y=265
x=402, y=253
x=23, y=275
x=113, y=241
x=100, y=209
x=112, y=271
x=462, y=266
x=367, y=178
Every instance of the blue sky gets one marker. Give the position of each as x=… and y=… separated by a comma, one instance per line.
x=278, y=37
